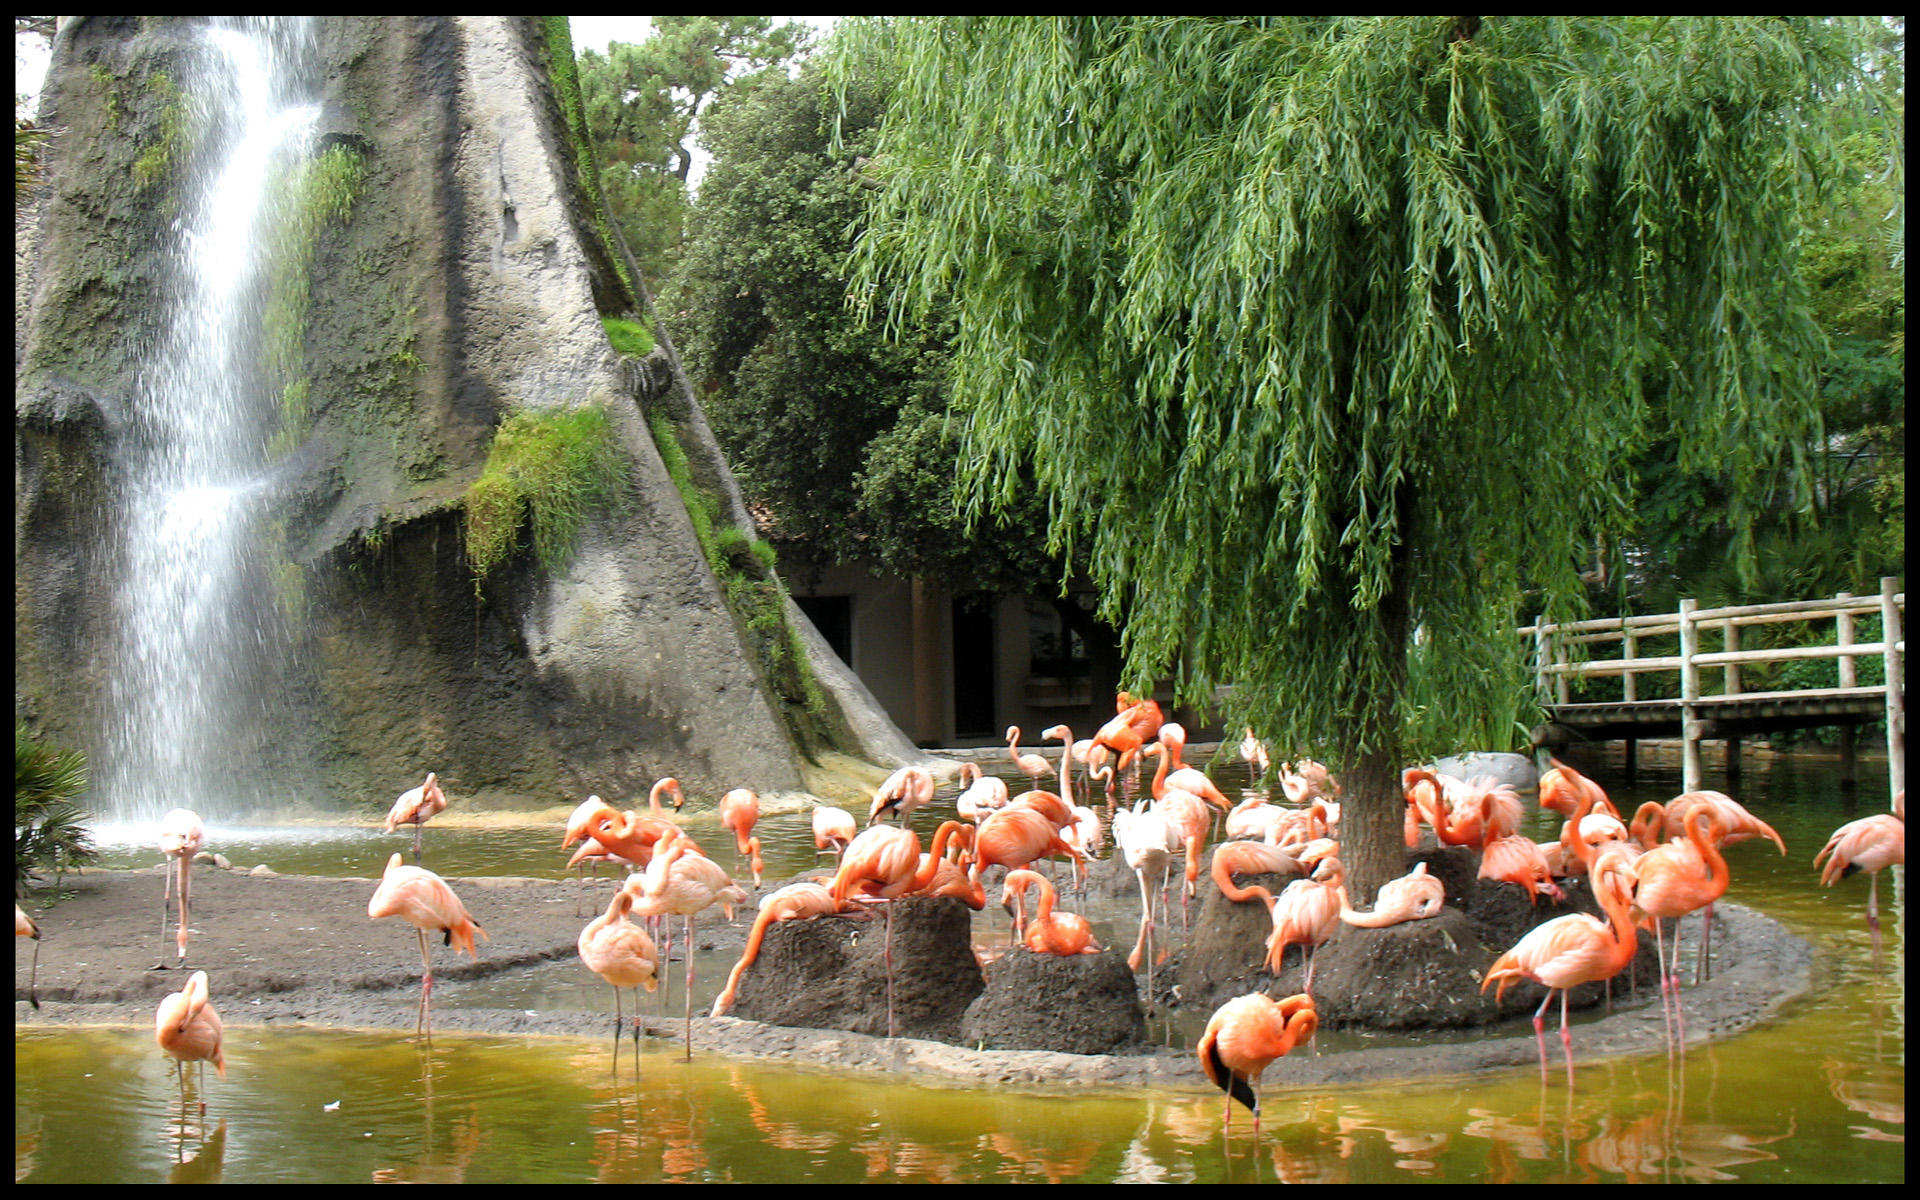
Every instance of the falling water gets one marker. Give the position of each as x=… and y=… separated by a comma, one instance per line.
x=197, y=617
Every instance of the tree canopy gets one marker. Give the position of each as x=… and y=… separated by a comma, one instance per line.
x=1317, y=331
x=642, y=103
x=840, y=435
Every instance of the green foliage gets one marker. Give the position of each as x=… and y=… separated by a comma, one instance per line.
x=556, y=465
x=744, y=566
x=1312, y=331
x=1835, y=516
x=49, y=830
x=641, y=102
x=630, y=338
x=843, y=435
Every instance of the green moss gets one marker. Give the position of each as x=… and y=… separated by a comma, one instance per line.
x=319, y=192
x=744, y=567
x=108, y=83
x=553, y=465
x=630, y=338
x=156, y=160
x=565, y=77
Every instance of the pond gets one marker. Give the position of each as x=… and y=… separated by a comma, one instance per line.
x=1815, y=1096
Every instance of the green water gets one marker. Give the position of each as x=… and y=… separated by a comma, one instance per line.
x=1818, y=1095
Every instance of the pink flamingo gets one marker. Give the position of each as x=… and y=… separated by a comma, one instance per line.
x=415, y=807
x=1571, y=950
x=801, y=901
x=188, y=1029
x=1058, y=933
x=833, y=829
x=682, y=880
x=739, y=812
x=181, y=837
x=1243, y=1038
x=621, y=953
x=1869, y=844
x=423, y=900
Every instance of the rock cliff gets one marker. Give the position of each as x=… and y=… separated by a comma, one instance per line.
x=467, y=283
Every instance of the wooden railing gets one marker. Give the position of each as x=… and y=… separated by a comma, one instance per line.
x=1554, y=672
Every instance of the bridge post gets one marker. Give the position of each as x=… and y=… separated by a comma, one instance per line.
x=1630, y=650
x=1689, y=698
x=1730, y=634
x=1849, y=739
x=1890, y=637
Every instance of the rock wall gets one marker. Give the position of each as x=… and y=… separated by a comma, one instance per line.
x=467, y=284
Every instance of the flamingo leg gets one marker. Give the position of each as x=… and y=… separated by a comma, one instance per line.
x=423, y=1023
x=416, y=842
x=689, y=987
x=1540, y=1033
x=182, y=937
x=1873, y=913
x=1566, y=1039
x=33, y=977
x=166, y=905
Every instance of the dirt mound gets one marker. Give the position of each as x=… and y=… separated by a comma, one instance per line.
x=1416, y=975
x=832, y=974
x=1079, y=1004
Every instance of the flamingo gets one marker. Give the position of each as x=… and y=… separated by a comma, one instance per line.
x=980, y=793
x=1028, y=764
x=415, y=806
x=681, y=880
x=1242, y=1039
x=423, y=900
x=1571, y=950
x=904, y=791
x=801, y=901
x=188, y=1029
x=627, y=835
x=1674, y=880
x=26, y=926
x=1133, y=726
x=739, y=811
x=1250, y=858
x=833, y=828
x=1864, y=845
x=883, y=862
x=1519, y=860
x=1561, y=788
x=1307, y=913
x=1254, y=751
x=1414, y=896
x=1310, y=780
x=1175, y=774
x=181, y=837
x=1058, y=933
x=621, y=953
x=1023, y=831
x=1145, y=840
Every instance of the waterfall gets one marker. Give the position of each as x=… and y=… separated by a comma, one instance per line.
x=196, y=611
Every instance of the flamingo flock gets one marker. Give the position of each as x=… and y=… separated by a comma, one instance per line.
x=1640, y=881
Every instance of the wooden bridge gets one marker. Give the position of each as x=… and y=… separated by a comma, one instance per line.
x=1563, y=653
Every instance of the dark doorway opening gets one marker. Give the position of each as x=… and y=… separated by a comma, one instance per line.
x=833, y=617
x=973, y=659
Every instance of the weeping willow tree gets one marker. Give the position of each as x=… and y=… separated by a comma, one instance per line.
x=1319, y=331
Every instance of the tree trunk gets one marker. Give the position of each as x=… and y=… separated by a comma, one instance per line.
x=1373, y=807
